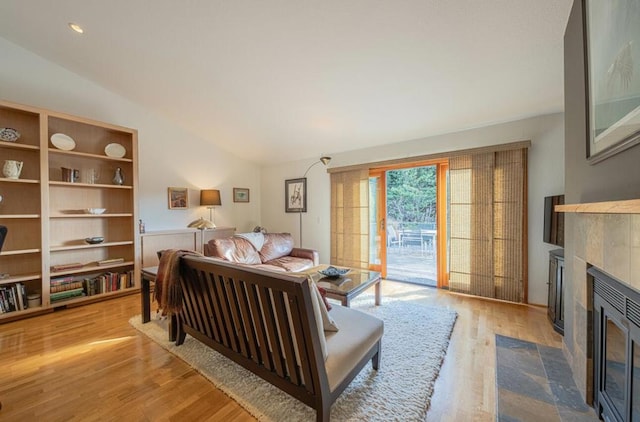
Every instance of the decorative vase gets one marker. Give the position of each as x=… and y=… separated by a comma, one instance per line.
x=118, y=178
x=12, y=169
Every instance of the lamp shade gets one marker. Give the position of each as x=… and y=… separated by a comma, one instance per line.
x=210, y=197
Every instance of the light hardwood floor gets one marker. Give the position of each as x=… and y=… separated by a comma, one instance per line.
x=89, y=364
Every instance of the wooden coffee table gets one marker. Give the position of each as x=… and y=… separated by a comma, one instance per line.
x=348, y=286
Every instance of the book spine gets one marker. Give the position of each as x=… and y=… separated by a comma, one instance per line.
x=23, y=292
x=3, y=308
x=21, y=304
x=12, y=298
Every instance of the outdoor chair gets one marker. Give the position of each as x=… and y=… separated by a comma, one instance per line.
x=392, y=237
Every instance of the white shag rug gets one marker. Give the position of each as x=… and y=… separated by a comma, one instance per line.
x=414, y=344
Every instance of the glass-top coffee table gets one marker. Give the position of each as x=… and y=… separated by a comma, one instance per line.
x=348, y=286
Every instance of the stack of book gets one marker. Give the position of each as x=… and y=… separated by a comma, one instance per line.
x=62, y=288
x=13, y=298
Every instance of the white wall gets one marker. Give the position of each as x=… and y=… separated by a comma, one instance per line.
x=546, y=177
x=169, y=155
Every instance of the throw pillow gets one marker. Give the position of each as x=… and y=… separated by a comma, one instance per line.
x=323, y=293
x=275, y=246
x=328, y=323
x=317, y=313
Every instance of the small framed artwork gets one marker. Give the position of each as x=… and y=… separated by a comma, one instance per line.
x=178, y=198
x=240, y=195
x=295, y=195
x=613, y=88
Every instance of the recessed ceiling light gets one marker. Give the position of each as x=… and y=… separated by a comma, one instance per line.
x=76, y=28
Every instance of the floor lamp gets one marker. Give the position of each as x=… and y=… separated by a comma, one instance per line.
x=324, y=160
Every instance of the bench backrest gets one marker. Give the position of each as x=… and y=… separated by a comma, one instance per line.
x=262, y=320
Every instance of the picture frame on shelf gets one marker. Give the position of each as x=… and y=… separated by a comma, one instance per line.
x=613, y=88
x=295, y=195
x=178, y=198
x=240, y=195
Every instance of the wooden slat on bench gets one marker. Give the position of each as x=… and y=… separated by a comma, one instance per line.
x=231, y=286
x=254, y=302
x=200, y=310
x=304, y=343
x=267, y=309
x=188, y=299
x=225, y=307
x=249, y=326
x=216, y=281
x=287, y=338
x=207, y=305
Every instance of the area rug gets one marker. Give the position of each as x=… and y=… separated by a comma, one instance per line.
x=414, y=344
x=534, y=380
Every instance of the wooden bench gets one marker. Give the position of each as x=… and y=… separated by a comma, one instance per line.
x=265, y=322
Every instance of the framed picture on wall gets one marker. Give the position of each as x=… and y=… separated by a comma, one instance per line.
x=178, y=198
x=240, y=195
x=613, y=77
x=295, y=195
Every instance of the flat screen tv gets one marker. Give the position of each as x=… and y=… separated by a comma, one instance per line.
x=553, y=221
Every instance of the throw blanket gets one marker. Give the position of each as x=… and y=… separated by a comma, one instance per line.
x=167, y=291
x=256, y=239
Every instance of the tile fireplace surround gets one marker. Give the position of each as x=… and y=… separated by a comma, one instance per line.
x=607, y=236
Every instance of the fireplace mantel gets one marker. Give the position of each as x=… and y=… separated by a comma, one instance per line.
x=631, y=206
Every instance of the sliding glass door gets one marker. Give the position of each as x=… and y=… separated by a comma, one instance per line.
x=377, y=222
x=407, y=222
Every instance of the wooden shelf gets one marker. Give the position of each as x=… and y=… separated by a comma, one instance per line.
x=14, y=145
x=90, y=215
x=4, y=179
x=88, y=246
x=19, y=314
x=89, y=268
x=46, y=217
x=19, y=252
x=18, y=216
x=93, y=298
x=20, y=277
x=87, y=155
x=88, y=185
x=631, y=206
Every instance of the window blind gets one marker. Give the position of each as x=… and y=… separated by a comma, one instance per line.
x=488, y=224
x=350, y=218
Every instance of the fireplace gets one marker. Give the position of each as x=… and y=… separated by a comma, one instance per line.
x=616, y=348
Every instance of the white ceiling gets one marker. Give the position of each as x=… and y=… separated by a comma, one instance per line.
x=279, y=80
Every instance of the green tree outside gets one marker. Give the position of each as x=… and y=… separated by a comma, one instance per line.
x=411, y=198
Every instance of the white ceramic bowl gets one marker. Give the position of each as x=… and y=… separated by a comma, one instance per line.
x=95, y=210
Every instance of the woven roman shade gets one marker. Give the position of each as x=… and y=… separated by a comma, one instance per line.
x=350, y=218
x=488, y=224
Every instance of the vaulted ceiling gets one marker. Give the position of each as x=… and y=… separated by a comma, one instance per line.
x=279, y=80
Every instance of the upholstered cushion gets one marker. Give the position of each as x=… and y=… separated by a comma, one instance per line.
x=358, y=333
x=275, y=246
x=268, y=267
x=234, y=249
x=291, y=264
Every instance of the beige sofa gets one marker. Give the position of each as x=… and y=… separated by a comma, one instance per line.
x=269, y=251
